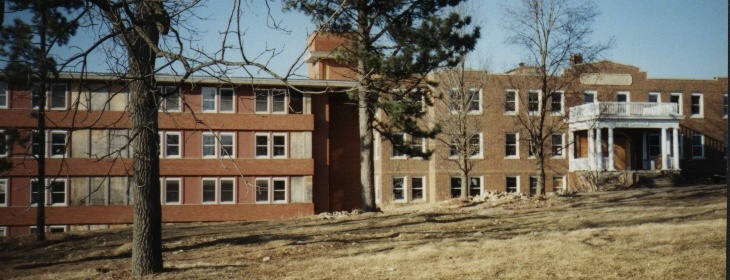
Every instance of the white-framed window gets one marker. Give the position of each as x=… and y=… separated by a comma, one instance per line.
x=466, y=99
x=58, y=140
x=57, y=97
x=654, y=97
x=418, y=189
x=475, y=100
x=55, y=191
x=272, y=101
x=219, y=144
x=589, y=96
x=208, y=95
x=398, y=142
x=4, y=148
x=533, y=185
x=376, y=145
x=170, y=144
x=676, y=98
x=556, y=145
x=399, y=189
x=57, y=229
x=512, y=184
x=474, y=146
x=170, y=99
x=512, y=145
x=271, y=144
x=4, y=94
x=622, y=97
x=272, y=190
x=218, y=190
x=3, y=231
x=4, y=192
x=697, y=109
x=475, y=186
x=534, y=100
x=227, y=100
x=698, y=146
x=172, y=190
x=556, y=102
x=418, y=143
x=558, y=183
x=724, y=106
x=510, y=101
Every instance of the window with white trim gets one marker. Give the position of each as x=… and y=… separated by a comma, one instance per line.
x=272, y=190
x=475, y=100
x=533, y=185
x=227, y=190
x=510, y=101
x=219, y=144
x=531, y=149
x=271, y=144
x=4, y=149
x=210, y=190
x=170, y=99
x=399, y=189
x=170, y=144
x=377, y=189
x=469, y=100
x=676, y=98
x=227, y=100
x=533, y=101
x=556, y=102
x=417, y=189
x=475, y=186
x=208, y=95
x=698, y=146
x=512, y=145
x=556, y=145
x=57, y=97
x=55, y=146
x=55, y=192
x=654, y=97
x=697, y=105
x=622, y=97
x=473, y=148
x=4, y=192
x=219, y=190
x=558, y=183
x=399, y=144
x=512, y=184
x=4, y=94
x=3, y=231
x=172, y=190
x=589, y=96
x=272, y=101
x=56, y=229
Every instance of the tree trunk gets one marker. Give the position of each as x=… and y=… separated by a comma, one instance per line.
x=464, y=176
x=41, y=135
x=540, y=161
x=367, y=166
x=147, y=232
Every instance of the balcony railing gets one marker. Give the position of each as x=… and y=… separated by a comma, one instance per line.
x=623, y=109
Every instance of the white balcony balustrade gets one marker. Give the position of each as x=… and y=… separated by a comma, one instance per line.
x=631, y=110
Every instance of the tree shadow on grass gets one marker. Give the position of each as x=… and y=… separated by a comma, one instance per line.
x=87, y=259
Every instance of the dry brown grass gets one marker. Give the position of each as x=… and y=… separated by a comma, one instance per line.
x=668, y=233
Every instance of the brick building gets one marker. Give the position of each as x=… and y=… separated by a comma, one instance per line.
x=249, y=149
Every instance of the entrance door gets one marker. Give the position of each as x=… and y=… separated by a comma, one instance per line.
x=621, y=150
x=653, y=149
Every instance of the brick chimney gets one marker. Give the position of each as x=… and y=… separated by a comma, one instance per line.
x=576, y=58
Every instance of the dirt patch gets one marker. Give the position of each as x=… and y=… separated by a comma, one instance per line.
x=657, y=233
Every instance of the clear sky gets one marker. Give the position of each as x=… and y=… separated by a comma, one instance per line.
x=666, y=38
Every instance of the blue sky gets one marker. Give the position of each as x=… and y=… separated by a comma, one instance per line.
x=666, y=38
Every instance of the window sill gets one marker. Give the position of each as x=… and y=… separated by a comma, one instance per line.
x=172, y=203
x=696, y=116
x=512, y=157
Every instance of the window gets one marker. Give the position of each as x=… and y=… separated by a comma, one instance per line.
x=227, y=100
x=556, y=102
x=654, y=145
x=271, y=145
x=3, y=231
x=57, y=100
x=4, y=149
x=55, y=192
x=475, y=186
x=533, y=185
x=533, y=101
x=58, y=143
x=377, y=189
x=3, y=192
x=399, y=145
x=724, y=106
x=698, y=146
x=622, y=96
x=654, y=97
x=119, y=142
x=170, y=146
x=277, y=194
x=697, y=105
x=209, y=190
x=35, y=145
x=475, y=145
x=510, y=101
x=556, y=142
x=589, y=96
x=468, y=99
x=4, y=93
x=208, y=94
x=170, y=99
x=399, y=192
x=417, y=192
x=419, y=144
x=512, y=184
x=475, y=100
x=56, y=229
x=271, y=101
x=676, y=98
x=455, y=187
x=228, y=190
x=172, y=190
x=558, y=184
x=219, y=144
x=511, y=145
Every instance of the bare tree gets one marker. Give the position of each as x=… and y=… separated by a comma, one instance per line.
x=553, y=33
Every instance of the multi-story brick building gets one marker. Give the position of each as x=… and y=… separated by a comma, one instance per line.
x=249, y=149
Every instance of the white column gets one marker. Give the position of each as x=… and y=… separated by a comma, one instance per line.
x=599, y=150
x=591, y=150
x=675, y=149
x=610, y=149
x=664, y=149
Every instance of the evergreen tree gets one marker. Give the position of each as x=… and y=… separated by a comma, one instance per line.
x=26, y=46
x=393, y=45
